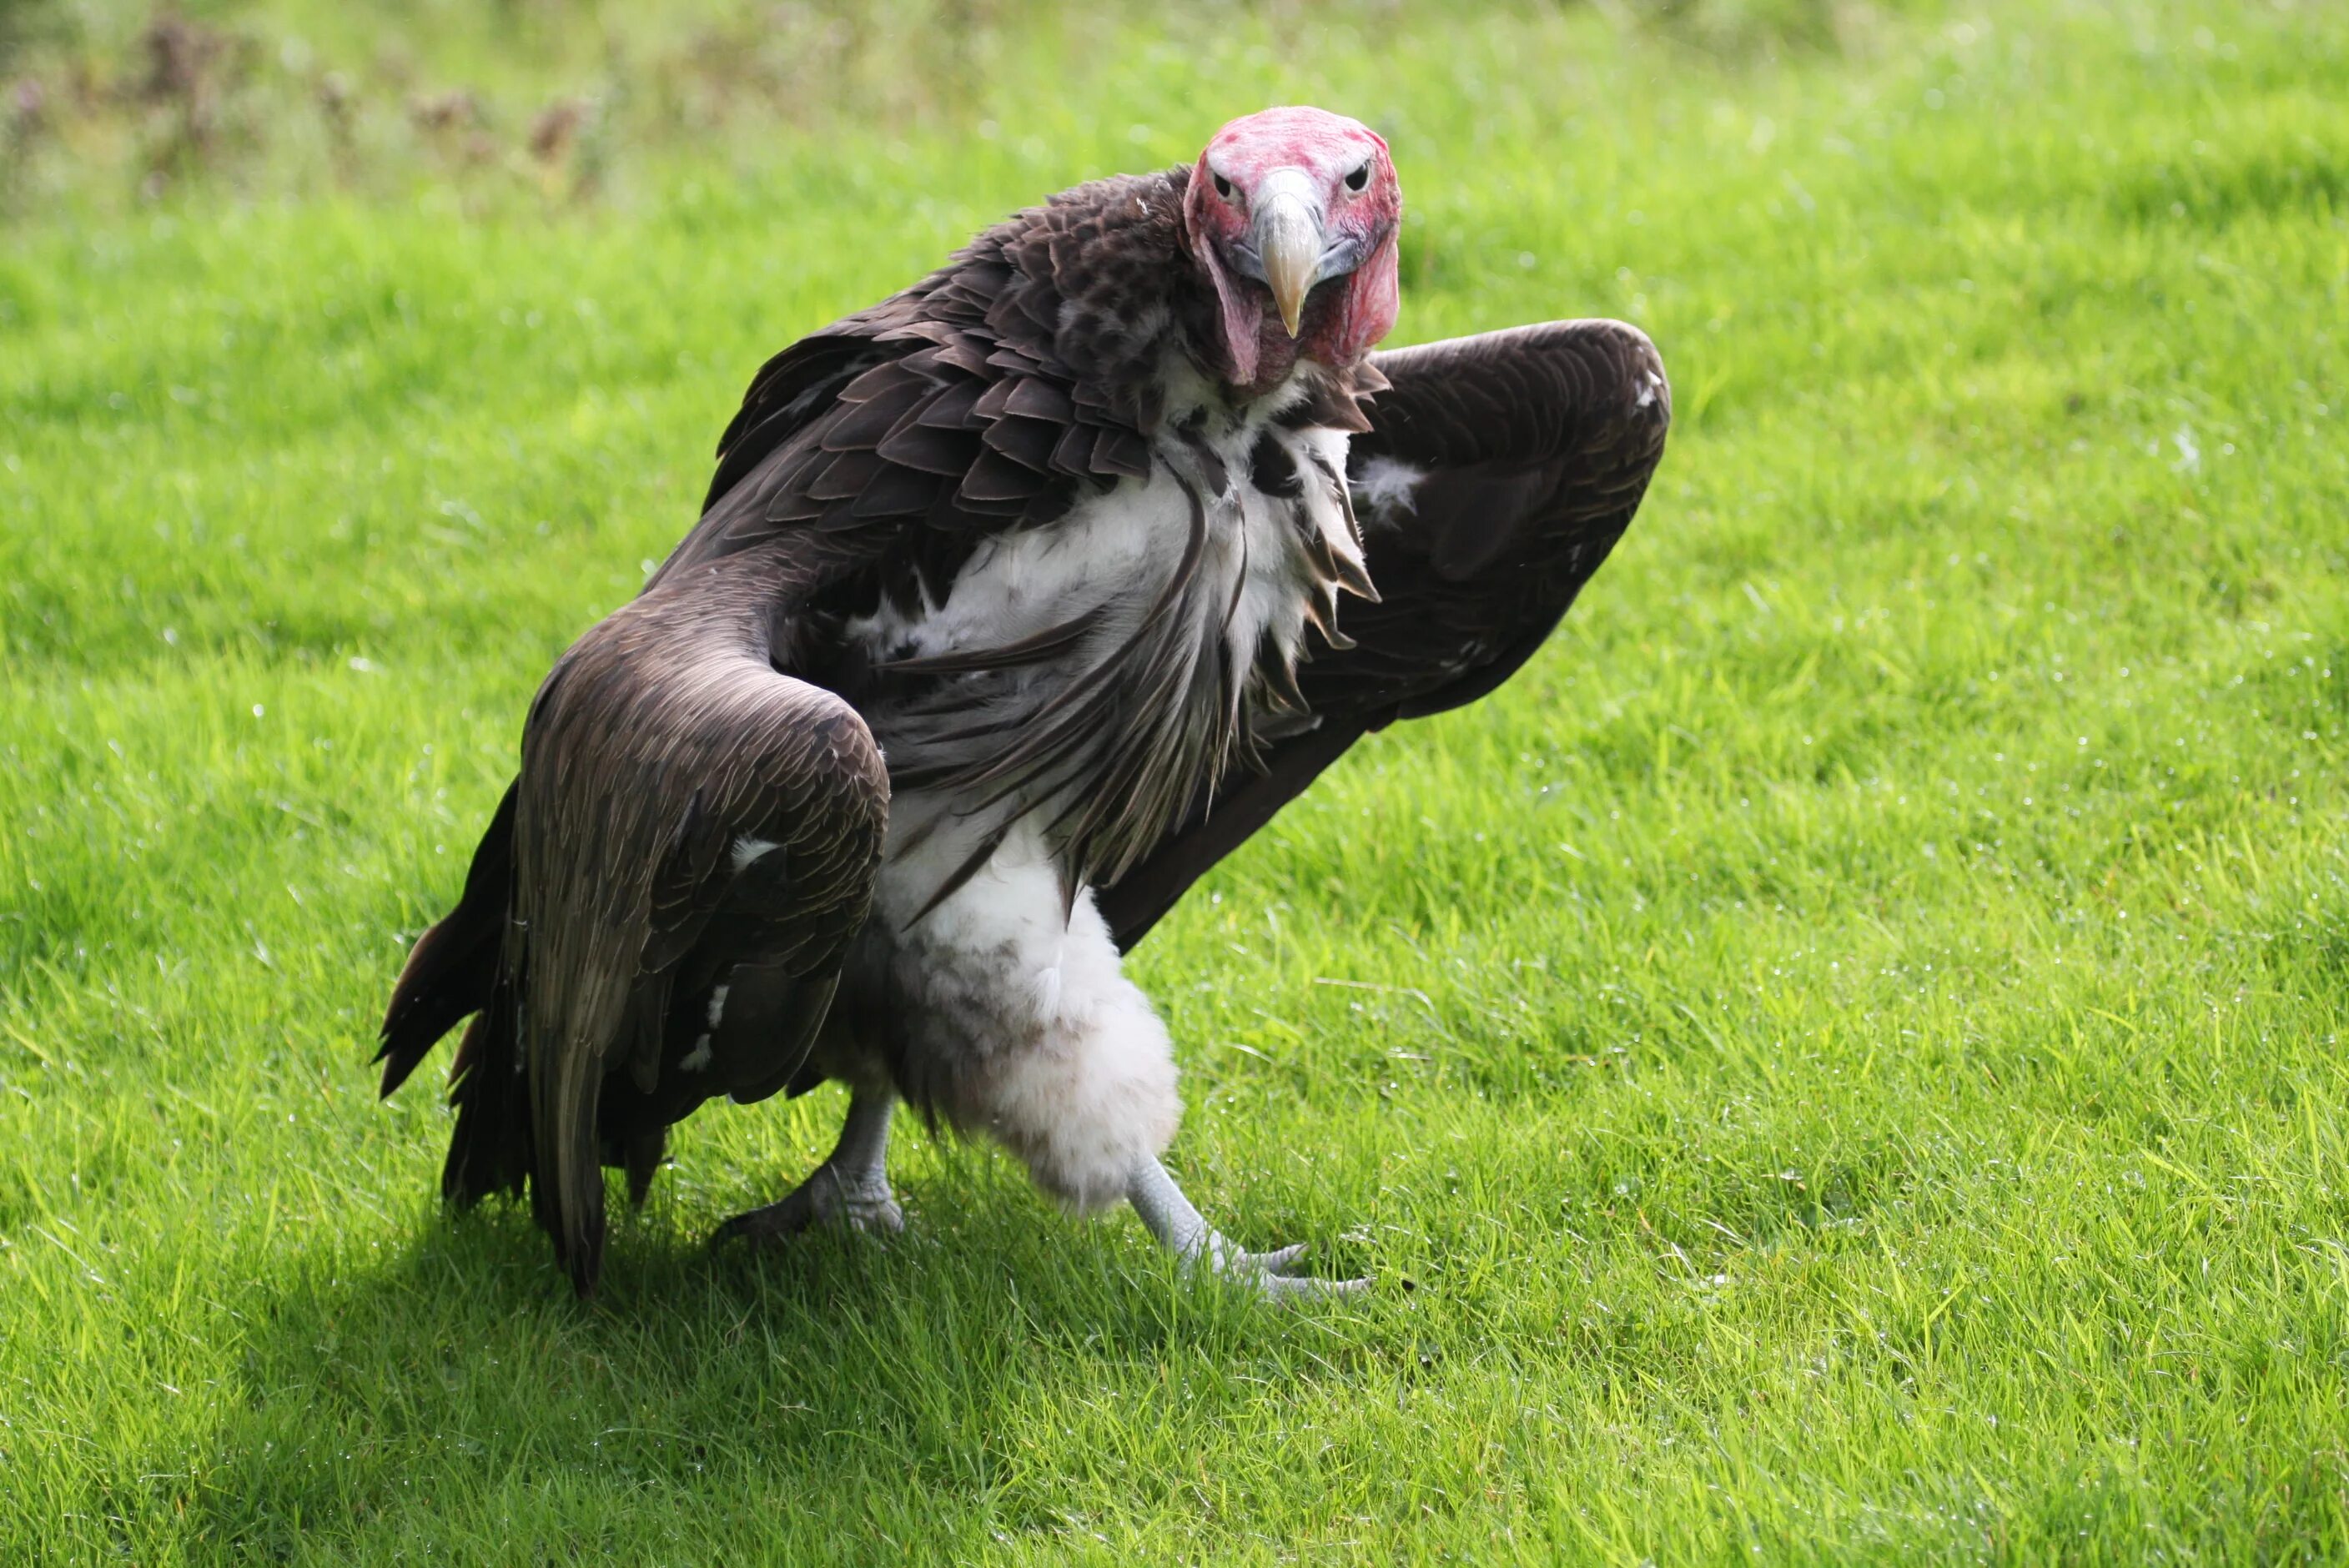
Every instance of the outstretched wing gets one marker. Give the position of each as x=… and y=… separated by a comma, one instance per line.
x=1497, y=473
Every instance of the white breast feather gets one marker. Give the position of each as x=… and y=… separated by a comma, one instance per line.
x=1113, y=554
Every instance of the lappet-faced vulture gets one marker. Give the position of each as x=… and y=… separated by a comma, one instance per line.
x=1013, y=608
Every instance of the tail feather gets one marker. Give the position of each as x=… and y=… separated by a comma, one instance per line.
x=490, y=1148
x=642, y=1157
x=566, y=1178
x=454, y=966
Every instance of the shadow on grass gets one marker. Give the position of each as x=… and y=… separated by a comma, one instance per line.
x=457, y=1388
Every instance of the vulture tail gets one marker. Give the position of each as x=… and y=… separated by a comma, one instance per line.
x=641, y=1157
x=490, y=1150
x=454, y=966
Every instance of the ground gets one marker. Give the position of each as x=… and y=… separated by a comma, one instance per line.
x=1840, y=1061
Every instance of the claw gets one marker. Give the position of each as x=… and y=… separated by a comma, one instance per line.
x=1272, y=1261
x=1262, y=1272
x=822, y=1198
x=1180, y=1229
x=851, y=1188
x=1296, y=1287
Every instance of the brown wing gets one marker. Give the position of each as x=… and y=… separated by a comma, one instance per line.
x=847, y=466
x=1497, y=473
x=694, y=841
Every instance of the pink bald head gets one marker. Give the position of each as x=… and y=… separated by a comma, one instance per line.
x=1293, y=214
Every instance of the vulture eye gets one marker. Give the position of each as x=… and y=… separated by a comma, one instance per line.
x=1223, y=188
x=1360, y=177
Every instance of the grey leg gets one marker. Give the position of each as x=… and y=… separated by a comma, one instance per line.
x=852, y=1185
x=1181, y=1230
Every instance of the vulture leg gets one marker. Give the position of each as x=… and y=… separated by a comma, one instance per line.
x=852, y=1185
x=1181, y=1230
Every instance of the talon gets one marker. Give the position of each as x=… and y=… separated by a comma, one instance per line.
x=1180, y=1229
x=850, y=1188
x=771, y=1224
x=822, y=1199
x=1261, y=1271
x=1290, y=1287
x=1274, y=1261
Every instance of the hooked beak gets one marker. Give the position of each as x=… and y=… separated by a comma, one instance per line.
x=1288, y=238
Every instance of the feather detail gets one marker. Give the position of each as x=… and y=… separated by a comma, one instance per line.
x=1028, y=650
x=1281, y=688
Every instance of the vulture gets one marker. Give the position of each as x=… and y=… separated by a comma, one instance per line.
x=1013, y=607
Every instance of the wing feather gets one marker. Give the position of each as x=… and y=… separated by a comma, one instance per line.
x=1496, y=473
x=683, y=809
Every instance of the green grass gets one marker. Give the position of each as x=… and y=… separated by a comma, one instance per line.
x=1840, y=1061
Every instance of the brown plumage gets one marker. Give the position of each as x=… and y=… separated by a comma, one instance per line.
x=1048, y=530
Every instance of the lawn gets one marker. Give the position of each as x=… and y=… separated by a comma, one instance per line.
x=1840, y=1060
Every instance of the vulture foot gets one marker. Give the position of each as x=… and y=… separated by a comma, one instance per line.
x=852, y=1187
x=1181, y=1230
x=1261, y=1271
x=827, y=1197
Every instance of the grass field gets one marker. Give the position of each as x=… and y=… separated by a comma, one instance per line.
x=1840, y=1061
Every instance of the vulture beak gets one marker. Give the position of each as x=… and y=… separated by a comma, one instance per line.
x=1286, y=238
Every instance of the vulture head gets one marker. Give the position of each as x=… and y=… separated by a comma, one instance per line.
x=1292, y=213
